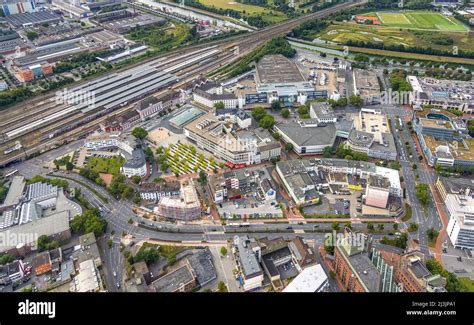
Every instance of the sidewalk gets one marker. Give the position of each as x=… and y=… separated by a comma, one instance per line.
x=444, y=220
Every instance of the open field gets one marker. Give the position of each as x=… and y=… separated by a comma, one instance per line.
x=421, y=20
x=406, y=55
x=268, y=15
x=343, y=32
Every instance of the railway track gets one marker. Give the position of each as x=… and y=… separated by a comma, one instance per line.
x=246, y=43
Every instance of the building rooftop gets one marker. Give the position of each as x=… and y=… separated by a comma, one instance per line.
x=174, y=281
x=201, y=263
x=310, y=280
x=277, y=69
x=247, y=258
x=51, y=225
x=309, y=136
x=303, y=253
x=15, y=191
x=269, y=259
x=366, y=270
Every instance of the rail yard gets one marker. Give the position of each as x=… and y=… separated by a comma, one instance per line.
x=44, y=122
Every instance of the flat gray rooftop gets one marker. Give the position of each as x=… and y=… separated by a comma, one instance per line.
x=309, y=136
x=278, y=69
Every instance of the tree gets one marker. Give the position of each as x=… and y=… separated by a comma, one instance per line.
x=223, y=251
x=341, y=102
x=140, y=133
x=136, y=179
x=327, y=152
x=370, y=226
x=258, y=113
x=395, y=226
x=46, y=244
x=285, y=113
x=221, y=286
x=380, y=226
x=150, y=256
x=202, y=177
x=69, y=166
x=90, y=221
x=6, y=258
x=355, y=100
x=335, y=225
x=267, y=122
x=276, y=105
x=219, y=105
x=432, y=233
x=288, y=146
x=422, y=193
x=413, y=227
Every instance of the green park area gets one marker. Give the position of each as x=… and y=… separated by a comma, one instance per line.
x=342, y=33
x=421, y=20
x=105, y=165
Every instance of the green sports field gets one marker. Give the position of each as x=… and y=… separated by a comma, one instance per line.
x=427, y=20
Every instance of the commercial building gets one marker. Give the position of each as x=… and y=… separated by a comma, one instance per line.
x=354, y=268
x=322, y=113
x=458, y=197
x=303, y=255
x=377, y=191
x=155, y=191
x=247, y=255
x=236, y=116
x=305, y=179
x=234, y=184
x=366, y=85
x=14, y=7
x=180, y=280
x=227, y=142
x=55, y=226
x=443, y=138
x=371, y=135
x=184, y=207
x=442, y=94
x=312, y=279
x=32, y=18
x=13, y=272
x=88, y=279
x=280, y=80
x=413, y=276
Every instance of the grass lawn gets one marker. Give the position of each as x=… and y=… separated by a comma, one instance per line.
x=269, y=15
x=468, y=283
x=343, y=32
x=105, y=165
x=161, y=37
x=421, y=20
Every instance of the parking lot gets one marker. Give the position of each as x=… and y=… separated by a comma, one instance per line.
x=249, y=208
x=337, y=204
x=287, y=270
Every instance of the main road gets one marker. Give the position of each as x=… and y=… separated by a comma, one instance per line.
x=426, y=217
